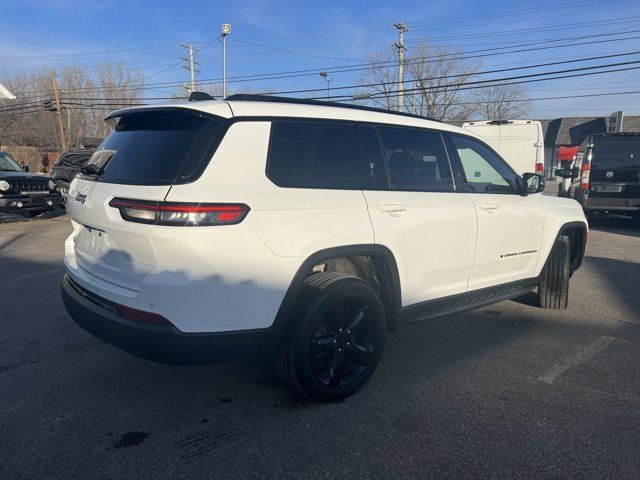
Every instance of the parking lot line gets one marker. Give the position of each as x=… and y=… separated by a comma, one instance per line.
x=582, y=356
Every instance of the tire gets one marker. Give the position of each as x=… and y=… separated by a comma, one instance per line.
x=335, y=337
x=553, y=289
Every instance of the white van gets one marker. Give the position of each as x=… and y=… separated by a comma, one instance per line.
x=519, y=142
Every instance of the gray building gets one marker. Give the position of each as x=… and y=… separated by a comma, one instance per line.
x=572, y=131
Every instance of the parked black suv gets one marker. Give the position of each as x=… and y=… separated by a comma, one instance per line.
x=606, y=174
x=67, y=166
x=21, y=191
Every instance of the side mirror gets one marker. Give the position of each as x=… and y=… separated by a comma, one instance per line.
x=566, y=172
x=90, y=169
x=25, y=168
x=532, y=183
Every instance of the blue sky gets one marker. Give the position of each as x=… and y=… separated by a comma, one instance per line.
x=314, y=35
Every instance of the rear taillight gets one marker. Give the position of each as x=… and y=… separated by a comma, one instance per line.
x=584, y=176
x=540, y=168
x=180, y=214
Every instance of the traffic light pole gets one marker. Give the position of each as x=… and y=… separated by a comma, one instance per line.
x=56, y=94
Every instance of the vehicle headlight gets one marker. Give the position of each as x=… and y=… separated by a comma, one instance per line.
x=52, y=185
x=4, y=185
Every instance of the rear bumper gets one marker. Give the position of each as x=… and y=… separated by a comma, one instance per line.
x=613, y=204
x=163, y=344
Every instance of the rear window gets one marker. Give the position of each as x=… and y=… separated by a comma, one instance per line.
x=156, y=147
x=615, y=152
x=314, y=155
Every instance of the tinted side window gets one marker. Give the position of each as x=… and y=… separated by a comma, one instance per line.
x=373, y=166
x=313, y=155
x=483, y=170
x=416, y=159
x=81, y=159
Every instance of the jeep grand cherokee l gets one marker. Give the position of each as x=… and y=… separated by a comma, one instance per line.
x=258, y=226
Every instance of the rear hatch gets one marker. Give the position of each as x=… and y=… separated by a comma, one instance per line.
x=615, y=170
x=147, y=152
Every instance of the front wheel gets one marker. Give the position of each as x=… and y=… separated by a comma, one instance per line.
x=335, y=338
x=553, y=289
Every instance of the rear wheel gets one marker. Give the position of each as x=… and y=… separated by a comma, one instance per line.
x=335, y=339
x=553, y=289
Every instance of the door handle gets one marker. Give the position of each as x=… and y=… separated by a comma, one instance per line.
x=489, y=205
x=392, y=207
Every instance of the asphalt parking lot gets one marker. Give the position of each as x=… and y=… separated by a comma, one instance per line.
x=508, y=391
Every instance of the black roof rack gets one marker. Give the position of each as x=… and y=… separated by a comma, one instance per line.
x=245, y=97
x=199, y=96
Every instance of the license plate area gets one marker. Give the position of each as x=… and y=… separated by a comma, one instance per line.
x=92, y=243
x=37, y=200
x=607, y=188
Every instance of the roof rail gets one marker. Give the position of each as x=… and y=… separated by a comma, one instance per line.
x=245, y=97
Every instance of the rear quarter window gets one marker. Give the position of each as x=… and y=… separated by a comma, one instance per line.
x=312, y=154
x=156, y=147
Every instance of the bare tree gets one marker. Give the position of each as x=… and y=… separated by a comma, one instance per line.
x=502, y=102
x=435, y=77
x=432, y=82
x=116, y=88
x=382, y=76
x=77, y=92
x=25, y=121
x=29, y=120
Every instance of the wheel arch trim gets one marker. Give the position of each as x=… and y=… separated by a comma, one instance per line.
x=582, y=244
x=392, y=306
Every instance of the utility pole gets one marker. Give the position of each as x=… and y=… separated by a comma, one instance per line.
x=56, y=94
x=400, y=48
x=226, y=30
x=191, y=66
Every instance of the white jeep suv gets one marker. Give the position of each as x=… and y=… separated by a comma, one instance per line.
x=211, y=231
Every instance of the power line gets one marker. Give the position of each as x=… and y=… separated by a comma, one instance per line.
x=485, y=72
x=497, y=82
x=369, y=65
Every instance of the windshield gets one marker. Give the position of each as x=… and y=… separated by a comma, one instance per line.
x=155, y=147
x=616, y=152
x=8, y=164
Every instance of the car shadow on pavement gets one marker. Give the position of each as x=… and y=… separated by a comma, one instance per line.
x=97, y=401
x=621, y=277
x=615, y=224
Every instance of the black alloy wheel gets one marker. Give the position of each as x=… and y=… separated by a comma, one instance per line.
x=335, y=338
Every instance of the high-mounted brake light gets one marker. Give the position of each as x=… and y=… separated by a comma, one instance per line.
x=584, y=176
x=180, y=214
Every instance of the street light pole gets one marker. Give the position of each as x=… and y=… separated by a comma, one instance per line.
x=226, y=30
x=328, y=80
